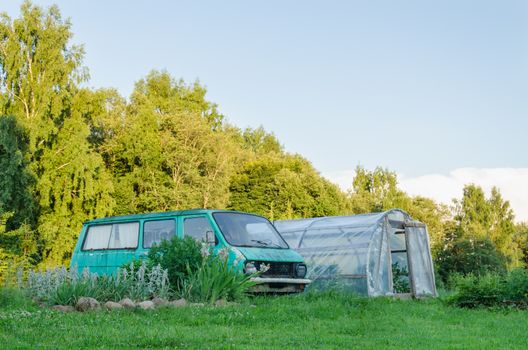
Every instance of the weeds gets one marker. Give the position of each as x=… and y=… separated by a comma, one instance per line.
x=215, y=279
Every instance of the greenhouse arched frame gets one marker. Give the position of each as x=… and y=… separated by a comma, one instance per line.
x=378, y=254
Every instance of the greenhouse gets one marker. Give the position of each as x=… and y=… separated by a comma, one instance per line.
x=371, y=254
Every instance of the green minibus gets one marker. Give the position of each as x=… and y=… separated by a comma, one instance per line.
x=106, y=244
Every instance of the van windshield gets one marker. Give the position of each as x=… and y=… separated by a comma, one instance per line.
x=245, y=230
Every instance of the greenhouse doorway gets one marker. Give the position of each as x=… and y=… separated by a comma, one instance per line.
x=401, y=274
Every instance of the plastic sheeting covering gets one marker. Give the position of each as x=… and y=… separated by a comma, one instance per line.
x=356, y=252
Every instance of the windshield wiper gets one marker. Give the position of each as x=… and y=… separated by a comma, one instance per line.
x=266, y=243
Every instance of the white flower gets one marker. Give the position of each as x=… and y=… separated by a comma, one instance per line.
x=264, y=267
x=205, y=251
x=223, y=254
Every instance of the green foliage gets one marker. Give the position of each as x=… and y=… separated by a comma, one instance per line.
x=15, y=179
x=400, y=278
x=469, y=256
x=63, y=287
x=14, y=298
x=181, y=257
x=216, y=279
x=171, y=150
x=492, y=290
x=521, y=241
x=375, y=191
x=260, y=142
x=478, y=217
x=284, y=187
x=40, y=72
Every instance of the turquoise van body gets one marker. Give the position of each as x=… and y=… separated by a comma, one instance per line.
x=106, y=244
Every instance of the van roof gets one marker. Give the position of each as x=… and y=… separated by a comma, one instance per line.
x=157, y=215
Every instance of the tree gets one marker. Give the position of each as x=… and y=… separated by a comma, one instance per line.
x=260, y=142
x=284, y=187
x=16, y=181
x=17, y=208
x=469, y=255
x=521, y=240
x=171, y=150
x=375, y=191
x=39, y=77
x=493, y=219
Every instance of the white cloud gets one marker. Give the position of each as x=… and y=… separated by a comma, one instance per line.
x=512, y=182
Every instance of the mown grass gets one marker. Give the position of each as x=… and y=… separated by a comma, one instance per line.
x=307, y=321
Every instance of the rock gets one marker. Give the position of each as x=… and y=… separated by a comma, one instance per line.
x=146, y=305
x=178, y=303
x=110, y=305
x=63, y=308
x=221, y=302
x=159, y=301
x=127, y=303
x=87, y=303
x=197, y=304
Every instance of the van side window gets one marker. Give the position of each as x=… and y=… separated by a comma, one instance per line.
x=97, y=237
x=197, y=227
x=114, y=236
x=158, y=230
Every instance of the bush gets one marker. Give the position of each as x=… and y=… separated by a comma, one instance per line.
x=466, y=256
x=492, y=290
x=181, y=257
x=215, y=279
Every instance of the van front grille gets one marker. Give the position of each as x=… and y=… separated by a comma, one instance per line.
x=277, y=269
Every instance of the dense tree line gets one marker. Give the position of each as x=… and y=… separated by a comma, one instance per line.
x=69, y=154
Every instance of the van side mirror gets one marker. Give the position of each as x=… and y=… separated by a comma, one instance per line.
x=210, y=238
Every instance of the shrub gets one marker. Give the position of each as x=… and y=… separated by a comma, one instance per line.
x=469, y=256
x=179, y=256
x=215, y=279
x=491, y=290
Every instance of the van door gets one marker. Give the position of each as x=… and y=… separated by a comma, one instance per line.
x=93, y=253
x=197, y=227
x=122, y=245
x=155, y=231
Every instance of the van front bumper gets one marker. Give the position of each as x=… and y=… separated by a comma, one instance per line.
x=279, y=285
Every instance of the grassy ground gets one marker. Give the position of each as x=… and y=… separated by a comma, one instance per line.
x=308, y=321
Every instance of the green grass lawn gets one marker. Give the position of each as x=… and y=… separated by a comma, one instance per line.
x=307, y=321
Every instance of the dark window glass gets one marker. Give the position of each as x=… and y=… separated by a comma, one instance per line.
x=197, y=228
x=156, y=231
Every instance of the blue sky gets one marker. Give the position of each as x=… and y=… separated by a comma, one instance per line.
x=420, y=87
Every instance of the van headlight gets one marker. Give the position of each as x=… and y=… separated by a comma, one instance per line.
x=300, y=270
x=250, y=268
